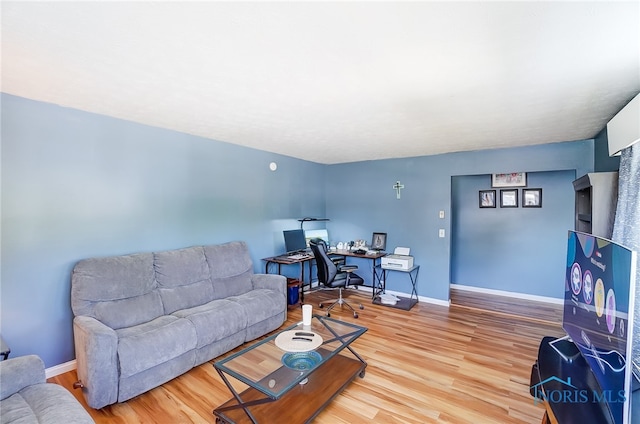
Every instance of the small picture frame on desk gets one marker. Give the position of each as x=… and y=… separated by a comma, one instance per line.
x=379, y=241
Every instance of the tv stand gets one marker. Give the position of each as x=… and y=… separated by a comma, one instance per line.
x=565, y=348
x=568, y=388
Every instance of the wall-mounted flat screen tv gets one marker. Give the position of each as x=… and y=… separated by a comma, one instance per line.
x=598, y=309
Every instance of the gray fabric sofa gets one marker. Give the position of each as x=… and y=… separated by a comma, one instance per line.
x=26, y=397
x=144, y=319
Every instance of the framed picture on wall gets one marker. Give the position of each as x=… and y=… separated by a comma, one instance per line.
x=531, y=197
x=512, y=179
x=509, y=198
x=487, y=198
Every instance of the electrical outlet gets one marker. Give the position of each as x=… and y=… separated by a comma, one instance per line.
x=441, y=233
x=441, y=214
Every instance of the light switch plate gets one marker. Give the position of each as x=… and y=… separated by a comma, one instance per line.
x=441, y=214
x=441, y=233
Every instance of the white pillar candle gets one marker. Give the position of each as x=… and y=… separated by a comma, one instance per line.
x=306, y=314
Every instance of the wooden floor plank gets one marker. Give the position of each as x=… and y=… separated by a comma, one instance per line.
x=469, y=363
x=509, y=306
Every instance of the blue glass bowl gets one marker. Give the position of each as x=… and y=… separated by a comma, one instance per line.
x=301, y=361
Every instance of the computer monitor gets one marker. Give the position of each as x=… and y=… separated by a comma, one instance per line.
x=379, y=241
x=321, y=234
x=294, y=240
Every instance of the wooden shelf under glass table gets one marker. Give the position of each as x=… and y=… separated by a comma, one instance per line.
x=284, y=394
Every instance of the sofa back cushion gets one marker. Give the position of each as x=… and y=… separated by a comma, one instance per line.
x=183, y=278
x=119, y=291
x=231, y=268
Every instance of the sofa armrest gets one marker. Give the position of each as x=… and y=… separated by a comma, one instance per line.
x=18, y=373
x=97, y=360
x=270, y=281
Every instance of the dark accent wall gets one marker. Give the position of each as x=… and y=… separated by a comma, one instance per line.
x=602, y=161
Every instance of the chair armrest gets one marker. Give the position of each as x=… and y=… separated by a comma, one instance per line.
x=270, y=281
x=97, y=360
x=347, y=268
x=18, y=373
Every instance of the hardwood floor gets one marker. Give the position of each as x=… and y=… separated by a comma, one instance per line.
x=532, y=310
x=433, y=364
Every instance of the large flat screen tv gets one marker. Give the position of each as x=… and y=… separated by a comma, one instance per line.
x=598, y=313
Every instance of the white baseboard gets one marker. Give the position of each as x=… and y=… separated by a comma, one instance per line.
x=435, y=301
x=60, y=369
x=523, y=296
x=422, y=298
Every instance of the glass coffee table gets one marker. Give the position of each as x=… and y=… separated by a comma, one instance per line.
x=291, y=375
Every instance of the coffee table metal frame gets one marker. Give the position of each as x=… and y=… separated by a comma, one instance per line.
x=260, y=366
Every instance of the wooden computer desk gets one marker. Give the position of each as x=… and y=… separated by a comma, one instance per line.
x=308, y=259
x=376, y=262
x=287, y=260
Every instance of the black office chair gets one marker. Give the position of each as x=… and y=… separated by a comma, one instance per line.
x=334, y=276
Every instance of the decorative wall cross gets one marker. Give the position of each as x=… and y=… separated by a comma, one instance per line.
x=397, y=187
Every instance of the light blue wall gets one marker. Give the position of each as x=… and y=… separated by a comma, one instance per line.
x=360, y=200
x=512, y=249
x=76, y=185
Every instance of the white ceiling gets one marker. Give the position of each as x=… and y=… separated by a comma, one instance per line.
x=334, y=82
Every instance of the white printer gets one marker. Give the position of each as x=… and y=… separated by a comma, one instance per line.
x=399, y=260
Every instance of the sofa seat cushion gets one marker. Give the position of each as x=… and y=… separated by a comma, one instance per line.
x=152, y=343
x=260, y=304
x=215, y=320
x=16, y=410
x=43, y=403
